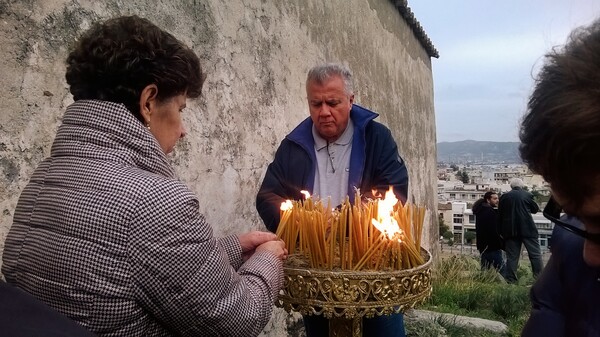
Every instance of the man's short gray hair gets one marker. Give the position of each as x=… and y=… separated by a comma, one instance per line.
x=516, y=182
x=323, y=72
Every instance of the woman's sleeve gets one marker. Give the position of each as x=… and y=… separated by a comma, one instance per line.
x=184, y=276
x=233, y=249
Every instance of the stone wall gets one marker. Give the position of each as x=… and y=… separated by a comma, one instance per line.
x=256, y=54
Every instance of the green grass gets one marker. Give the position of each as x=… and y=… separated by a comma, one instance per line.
x=461, y=288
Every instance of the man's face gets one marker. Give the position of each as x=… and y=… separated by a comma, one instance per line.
x=589, y=215
x=329, y=106
x=494, y=200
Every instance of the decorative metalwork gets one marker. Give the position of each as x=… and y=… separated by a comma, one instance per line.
x=354, y=294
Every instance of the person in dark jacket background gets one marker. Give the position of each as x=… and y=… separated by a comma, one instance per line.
x=331, y=153
x=559, y=140
x=517, y=229
x=489, y=243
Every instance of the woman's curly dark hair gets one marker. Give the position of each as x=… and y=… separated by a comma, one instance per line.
x=560, y=134
x=116, y=59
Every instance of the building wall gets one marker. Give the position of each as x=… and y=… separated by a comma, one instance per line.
x=468, y=196
x=256, y=54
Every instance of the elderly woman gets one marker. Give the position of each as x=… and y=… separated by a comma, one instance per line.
x=105, y=234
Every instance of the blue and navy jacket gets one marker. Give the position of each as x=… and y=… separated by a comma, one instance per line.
x=565, y=296
x=374, y=165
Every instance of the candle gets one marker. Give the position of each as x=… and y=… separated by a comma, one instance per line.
x=381, y=234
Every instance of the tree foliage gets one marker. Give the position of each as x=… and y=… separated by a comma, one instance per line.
x=442, y=225
x=539, y=197
x=463, y=176
x=448, y=235
x=469, y=236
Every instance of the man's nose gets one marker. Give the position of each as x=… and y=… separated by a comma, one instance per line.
x=183, y=132
x=324, y=111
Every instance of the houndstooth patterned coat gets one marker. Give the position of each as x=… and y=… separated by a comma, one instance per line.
x=106, y=235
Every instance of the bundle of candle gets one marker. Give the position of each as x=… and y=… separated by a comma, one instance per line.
x=377, y=234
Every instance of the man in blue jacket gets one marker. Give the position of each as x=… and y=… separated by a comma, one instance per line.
x=560, y=139
x=336, y=150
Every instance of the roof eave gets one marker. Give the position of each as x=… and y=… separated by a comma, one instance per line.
x=413, y=23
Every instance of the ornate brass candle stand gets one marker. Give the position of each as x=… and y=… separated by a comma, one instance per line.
x=345, y=297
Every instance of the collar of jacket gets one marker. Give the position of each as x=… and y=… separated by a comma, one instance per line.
x=109, y=131
x=302, y=134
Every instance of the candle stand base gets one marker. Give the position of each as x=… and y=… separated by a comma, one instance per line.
x=345, y=297
x=344, y=327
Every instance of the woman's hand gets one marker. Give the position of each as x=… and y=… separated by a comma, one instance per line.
x=275, y=247
x=251, y=241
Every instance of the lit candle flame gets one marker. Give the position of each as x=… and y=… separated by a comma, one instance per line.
x=385, y=223
x=286, y=205
x=306, y=194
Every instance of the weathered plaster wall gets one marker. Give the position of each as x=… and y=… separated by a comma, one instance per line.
x=256, y=53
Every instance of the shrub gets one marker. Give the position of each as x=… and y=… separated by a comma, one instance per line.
x=460, y=287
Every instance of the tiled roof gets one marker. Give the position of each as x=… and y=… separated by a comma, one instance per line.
x=409, y=16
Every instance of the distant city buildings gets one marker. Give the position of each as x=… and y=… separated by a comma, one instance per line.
x=459, y=186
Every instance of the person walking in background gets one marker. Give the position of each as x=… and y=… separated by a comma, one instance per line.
x=517, y=229
x=337, y=149
x=560, y=138
x=489, y=243
x=105, y=233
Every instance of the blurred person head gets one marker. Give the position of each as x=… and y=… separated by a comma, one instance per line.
x=560, y=133
x=330, y=94
x=516, y=183
x=131, y=61
x=491, y=198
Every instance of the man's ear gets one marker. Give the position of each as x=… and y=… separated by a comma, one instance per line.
x=351, y=98
x=148, y=101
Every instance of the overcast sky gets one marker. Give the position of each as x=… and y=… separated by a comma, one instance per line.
x=489, y=53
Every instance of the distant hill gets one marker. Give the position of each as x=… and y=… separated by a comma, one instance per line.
x=478, y=152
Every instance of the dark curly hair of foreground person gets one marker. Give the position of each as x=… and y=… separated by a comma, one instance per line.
x=115, y=60
x=564, y=115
